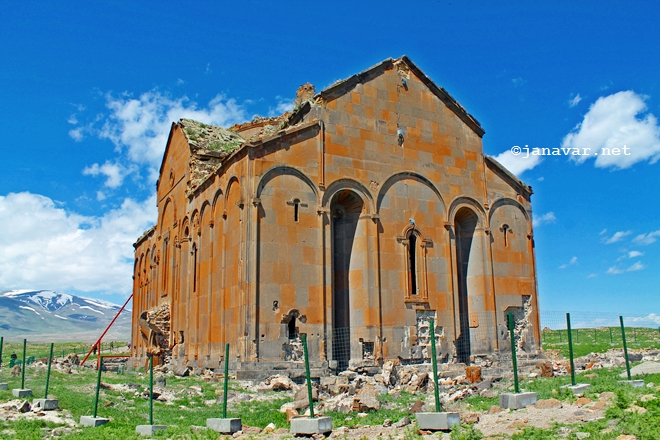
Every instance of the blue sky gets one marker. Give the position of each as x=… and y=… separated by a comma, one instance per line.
x=89, y=91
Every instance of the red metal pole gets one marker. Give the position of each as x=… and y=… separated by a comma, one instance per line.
x=98, y=342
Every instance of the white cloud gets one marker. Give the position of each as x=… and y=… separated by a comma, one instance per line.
x=76, y=134
x=630, y=254
x=114, y=172
x=518, y=164
x=646, y=239
x=612, y=122
x=545, y=218
x=575, y=100
x=44, y=246
x=618, y=236
x=592, y=275
x=614, y=270
x=573, y=261
x=283, y=106
x=139, y=127
x=650, y=319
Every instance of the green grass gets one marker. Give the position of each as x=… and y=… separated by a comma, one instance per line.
x=186, y=418
x=60, y=349
x=599, y=340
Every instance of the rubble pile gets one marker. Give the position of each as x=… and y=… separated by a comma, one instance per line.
x=556, y=366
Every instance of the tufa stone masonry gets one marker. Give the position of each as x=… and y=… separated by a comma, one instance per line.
x=356, y=218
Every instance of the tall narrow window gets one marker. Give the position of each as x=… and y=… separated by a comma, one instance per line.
x=166, y=263
x=505, y=230
x=194, y=268
x=412, y=264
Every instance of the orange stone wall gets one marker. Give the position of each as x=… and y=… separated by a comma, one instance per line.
x=315, y=230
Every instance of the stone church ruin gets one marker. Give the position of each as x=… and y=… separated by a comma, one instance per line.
x=355, y=218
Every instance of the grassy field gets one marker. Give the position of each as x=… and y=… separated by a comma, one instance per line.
x=60, y=349
x=599, y=340
x=196, y=399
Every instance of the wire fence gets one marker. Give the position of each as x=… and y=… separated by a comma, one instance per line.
x=479, y=335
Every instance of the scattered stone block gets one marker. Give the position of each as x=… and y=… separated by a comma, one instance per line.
x=309, y=426
x=24, y=407
x=21, y=392
x=45, y=404
x=403, y=422
x=224, y=426
x=577, y=388
x=437, y=421
x=517, y=400
x=470, y=417
x=545, y=369
x=548, y=403
x=149, y=429
x=416, y=407
x=4, y=386
x=635, y=383
x=473, y=373
x=93, y=422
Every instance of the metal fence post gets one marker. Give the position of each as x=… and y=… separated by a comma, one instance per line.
x=513, y=354
x=98, y=386
x=23, y=366
x=435, y=366
x=226, y=386
x=309, y=381
x=151, y=389
x=50, y=360
x=625, y=348
x=570, y=348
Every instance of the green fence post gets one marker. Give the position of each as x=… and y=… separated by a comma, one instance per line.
x=23, y=366
x=513, y=354
x=151, y=389
x=98, y=386
x=577, y=335
x=309, y=381
x=50, y=360
x=226, y=385
x=570, y=348
x=435, y=366
x=625, y=348
x=611, y=339
x=2, y=342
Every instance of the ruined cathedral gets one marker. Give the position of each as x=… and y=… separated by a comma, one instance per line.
x=356, y=218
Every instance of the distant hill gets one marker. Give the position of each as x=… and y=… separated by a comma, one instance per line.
x=47, y=316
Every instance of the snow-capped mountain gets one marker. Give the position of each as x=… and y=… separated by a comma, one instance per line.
x=46, y=315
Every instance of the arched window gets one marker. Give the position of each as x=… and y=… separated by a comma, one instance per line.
x=415, y=262
x=412, y=264
x=195, y=271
